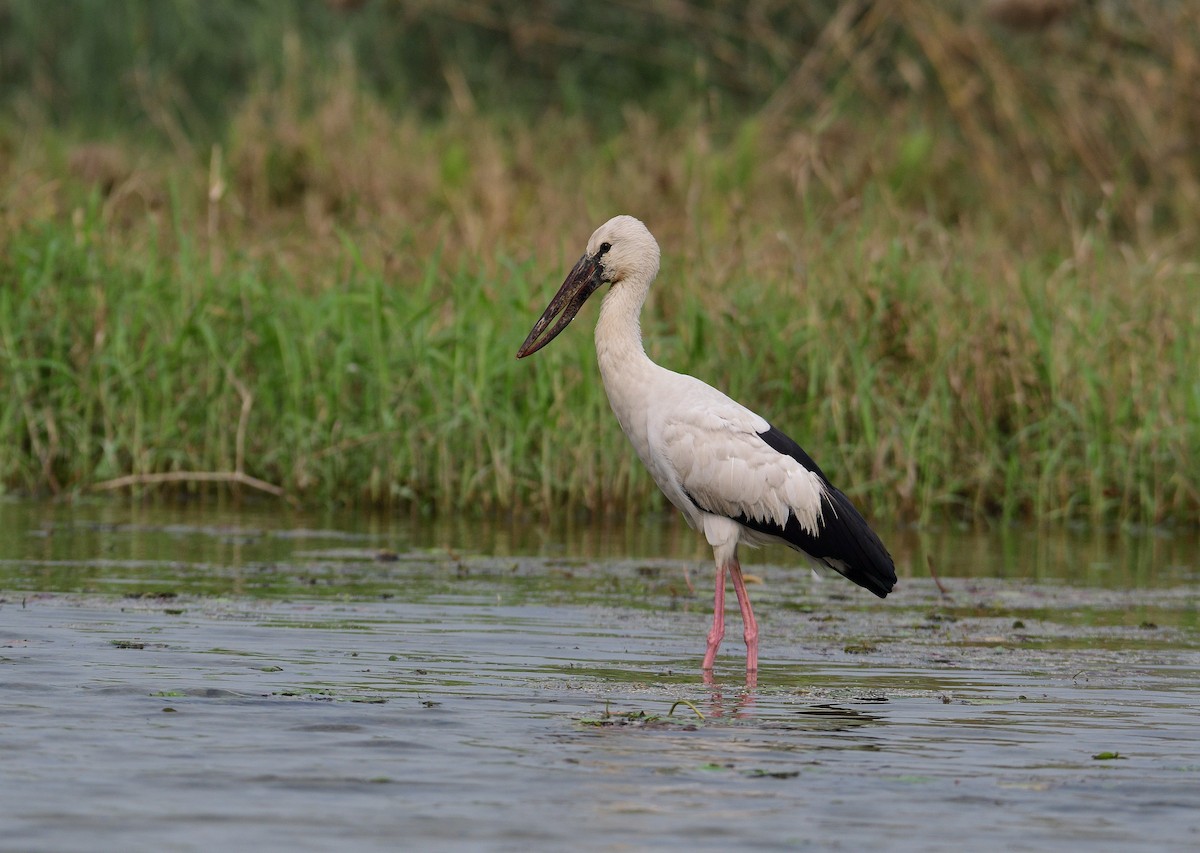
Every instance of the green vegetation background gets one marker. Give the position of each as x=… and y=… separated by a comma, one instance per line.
x=292, y=246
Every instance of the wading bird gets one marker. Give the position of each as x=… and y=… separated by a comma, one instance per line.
x=734, y=477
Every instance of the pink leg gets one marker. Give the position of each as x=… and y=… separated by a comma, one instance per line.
x=748, y=620
x=717, y=632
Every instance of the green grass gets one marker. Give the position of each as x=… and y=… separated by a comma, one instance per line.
x=927, y=387
x=375, y=391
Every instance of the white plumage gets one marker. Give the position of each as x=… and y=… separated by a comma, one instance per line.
x=732, y=475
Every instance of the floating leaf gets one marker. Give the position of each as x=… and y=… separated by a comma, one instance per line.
x=759, y=773
x=860, y=648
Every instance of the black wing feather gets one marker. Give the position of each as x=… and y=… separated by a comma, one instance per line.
x=844, y=537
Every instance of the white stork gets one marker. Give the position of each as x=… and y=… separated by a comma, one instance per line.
x=732, y=475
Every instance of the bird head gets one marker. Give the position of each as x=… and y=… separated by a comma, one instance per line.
x=620, y=250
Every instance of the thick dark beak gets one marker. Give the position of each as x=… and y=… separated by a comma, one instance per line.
x=580, y=284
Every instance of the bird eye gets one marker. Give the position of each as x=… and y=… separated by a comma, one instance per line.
x=604, y=247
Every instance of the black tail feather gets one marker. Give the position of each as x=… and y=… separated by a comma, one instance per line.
x=844, y=541
x=848, y=545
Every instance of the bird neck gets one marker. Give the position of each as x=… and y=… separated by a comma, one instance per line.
x=619, y=346
x=627, y=372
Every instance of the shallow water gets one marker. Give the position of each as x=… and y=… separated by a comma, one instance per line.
x=189, y=678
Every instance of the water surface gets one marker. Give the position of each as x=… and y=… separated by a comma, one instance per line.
x=182, y=679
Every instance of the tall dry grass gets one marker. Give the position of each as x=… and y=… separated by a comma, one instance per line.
x=956, y=262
